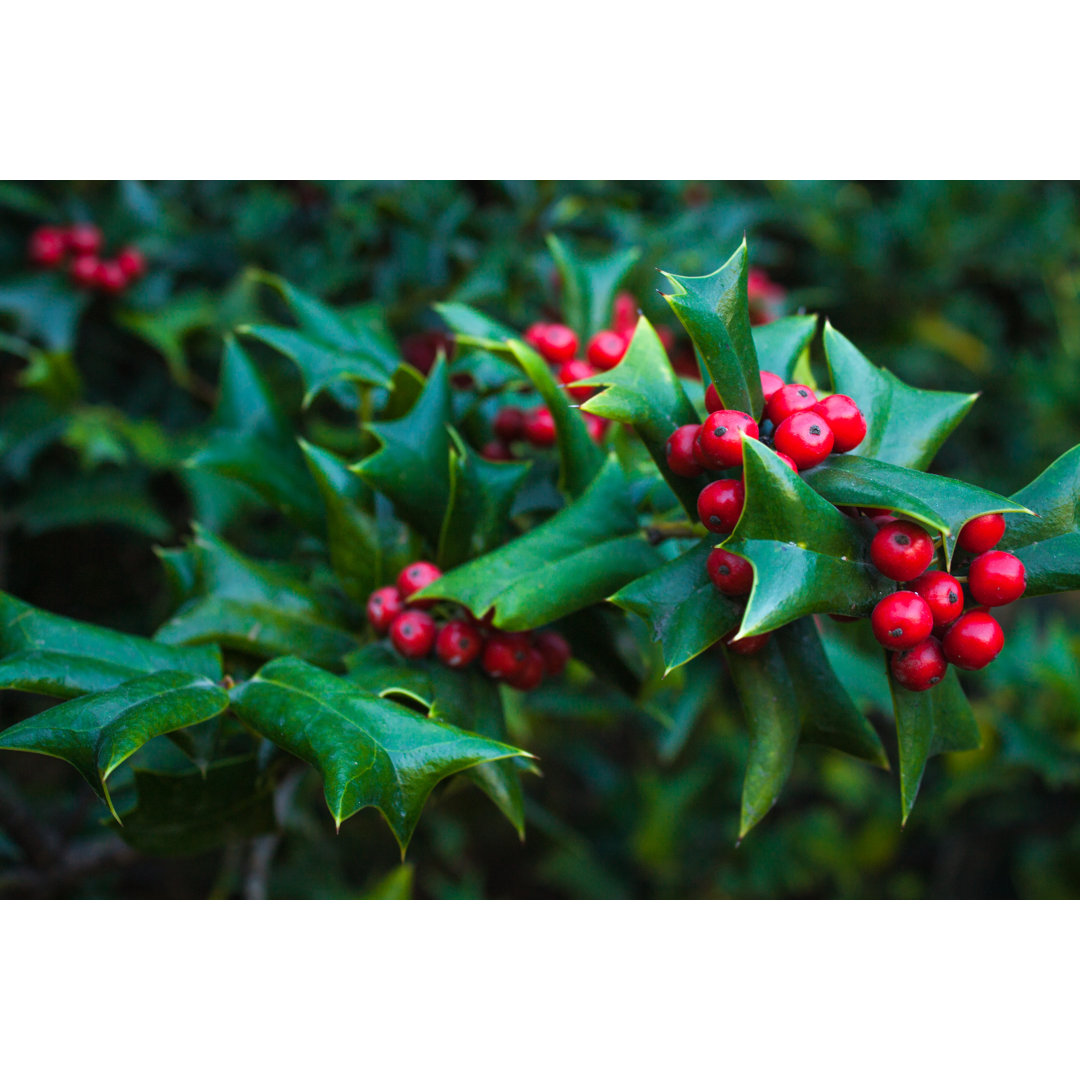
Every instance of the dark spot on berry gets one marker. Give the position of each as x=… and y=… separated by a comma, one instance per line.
x=804, y=393
x=901, y=540
x=720, y=431
x=896, y=631
x=714, y=520
x=935, y=679
x=814, y=429
x=953, y=597
x=725, y=570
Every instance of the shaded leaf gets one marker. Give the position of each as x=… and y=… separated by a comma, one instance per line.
x=589, y=285
x=780, y=344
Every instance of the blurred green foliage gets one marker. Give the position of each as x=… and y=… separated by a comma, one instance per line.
x=959, y=286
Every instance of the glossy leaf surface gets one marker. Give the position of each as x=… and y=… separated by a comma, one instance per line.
x=780, y=344
x=589, y=285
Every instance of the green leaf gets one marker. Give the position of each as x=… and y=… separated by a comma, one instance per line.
x=589, y=285
x=355, y=553
x=482, y=493
x=780, y=344
x=49, y=654
x=715, y=311
x=369, y=751
x=807, y=556
x=579, y=457
x=46, y=307
x=396, y=885
x=99, y=732
x=186, y=813
x=1049, y=545
x=929, y=722
x=168, y=327
x=578, y=557
x=255, y=609
x=321, y=366
x=683, y=608
x=412, y=467
x=643, y=390
x=905, y=426
x=767, y=695
x=939, y=502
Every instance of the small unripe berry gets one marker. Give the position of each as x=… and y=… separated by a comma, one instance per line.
x=730, y=573
x=383, y=607
x=412, y=633
x=846, y=420
x=47, y=245
x=504, y=655
x=943, y=594
x=680, y=451
x=996, y=578
x=720, y=504
x=84, y=239
x=747, y=646
x=531, y=673
x=84, y=270
x=982, y=533
x=973, y=640
x=805, y=437
x=508, y=424
x=901, y=620
x=132, y=261
x=720, y=437
x=606, y=350
x=458, y=643
x=920, y=668
x=414, y=577
x=792, y=398
x=901, y=550
x=539, y=427
x=556, y=343
x=574, y=371
x=555, y=650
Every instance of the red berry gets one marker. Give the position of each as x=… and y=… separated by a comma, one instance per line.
x=901, y=550
x=383, y=607
x=982, y=533
x=712, y=399
x=84, y=270
x=555, y=650
x=531, y=673
x=539, y=427
x=415, y=577
x=845, y=419
x=902, y=620
x=624, y=314
x=720, y=504
x=720, y=437
x=606, y=349
x=574, y=371
x=497, y=451
x=788, y=462
x=412, y=633
x=996, y=578
x=789, y=399
x=770, y=383
x=505, y=655
x=973, y=640
x=556, y=343
x=730, y=573
x=921, y=667
x=535, y=334
x=508, y=424
x=84, y=239
x=596, y=426
x=110, y=278
x=47, y=245
x=458, y=643
x=943, y=594
x=748, y=645
x=132, y=261
x=680, y=451
x=805, y=437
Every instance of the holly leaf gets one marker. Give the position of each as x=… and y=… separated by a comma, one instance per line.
x=45, y=307
x=807, y=556
x=355, y=554
x=1049, y=545
x=412, y=466
x=49, y=654
x=643, y=390
x=589, y=285
x=482, y=493
x=929, y=722
x=780, y=344
x=369, y=751
x=99, y=732
x=940, y=503
x=578, y=557
x=579, y=457
x=683, y=608
x=168, y=326
x=905, y=426
x=256, y=609
x=716, y=313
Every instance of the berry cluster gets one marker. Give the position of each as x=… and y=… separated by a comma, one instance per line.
x=765, y=296
x=925, y=626
x=80, y=246
x=520, y=660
